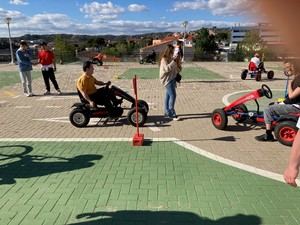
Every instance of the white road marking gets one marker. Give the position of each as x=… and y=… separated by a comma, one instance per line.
x=3, y=102
x=57, y=97
x=23, y=106
x=209, y=155
x=54, y=106
x=17, y=96
x=154, y=129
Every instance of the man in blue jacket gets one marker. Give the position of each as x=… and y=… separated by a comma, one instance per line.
x=25, y=66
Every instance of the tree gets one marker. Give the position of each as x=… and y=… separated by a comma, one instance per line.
x=252, y=43
x=64, y=51
x=205, y=44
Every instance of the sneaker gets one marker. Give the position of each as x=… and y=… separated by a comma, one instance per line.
x=30, y=95
x=26, y=94
x=175, y=118
x=265, y=138
x=47, y=93
x=58, y=92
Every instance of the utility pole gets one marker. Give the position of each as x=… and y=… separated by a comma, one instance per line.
x=8, y=20
x=184, y=24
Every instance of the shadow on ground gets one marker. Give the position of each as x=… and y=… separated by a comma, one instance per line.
x=128, y=217
x=21, y=165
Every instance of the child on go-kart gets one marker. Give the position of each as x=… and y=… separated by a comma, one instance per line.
x=86, y=85
x=290, y=105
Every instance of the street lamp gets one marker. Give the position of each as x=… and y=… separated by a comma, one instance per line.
x=184, y=24
x=8, y=20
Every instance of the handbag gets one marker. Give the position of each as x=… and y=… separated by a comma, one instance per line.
x=178, y=77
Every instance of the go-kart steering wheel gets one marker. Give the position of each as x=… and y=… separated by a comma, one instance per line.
x=266, y=91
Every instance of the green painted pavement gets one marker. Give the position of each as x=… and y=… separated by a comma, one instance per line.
x=8, y=78
x=89, y=183
x=194, y=73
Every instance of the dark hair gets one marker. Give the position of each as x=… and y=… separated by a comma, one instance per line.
x=43, y=43
x=86, y=65
x=23, y=43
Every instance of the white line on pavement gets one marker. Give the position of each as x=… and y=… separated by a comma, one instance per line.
x=23, y=106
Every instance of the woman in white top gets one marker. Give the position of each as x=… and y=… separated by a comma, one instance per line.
x=169, y=67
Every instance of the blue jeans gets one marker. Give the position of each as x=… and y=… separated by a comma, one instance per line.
x=170, y=99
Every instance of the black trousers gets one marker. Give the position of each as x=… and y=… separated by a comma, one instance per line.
x=49, y=75
x=104, y=96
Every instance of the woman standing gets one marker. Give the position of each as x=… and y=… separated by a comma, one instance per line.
x=169, y=67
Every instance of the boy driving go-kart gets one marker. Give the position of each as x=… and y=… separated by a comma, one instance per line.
x=256, y=68
x=86, y=85
x=93, y=100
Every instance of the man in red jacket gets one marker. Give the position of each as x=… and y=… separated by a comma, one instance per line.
x=48, y=65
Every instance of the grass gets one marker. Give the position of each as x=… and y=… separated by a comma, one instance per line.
x=193, y=73
x=8, y=78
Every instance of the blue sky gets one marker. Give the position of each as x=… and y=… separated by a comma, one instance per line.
x=96, y=17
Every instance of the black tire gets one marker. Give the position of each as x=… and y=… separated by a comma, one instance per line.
x=244, y=74
x=240, y=109
x=141, y=61
x=285, y=132
x=79, y=118
x=142, y=104
x=258, y=76
x=219, y=119
x=142, y=117
x=270, y=74
x=100, y=63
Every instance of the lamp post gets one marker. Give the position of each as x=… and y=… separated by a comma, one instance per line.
x=8, y=20
x=184, y=24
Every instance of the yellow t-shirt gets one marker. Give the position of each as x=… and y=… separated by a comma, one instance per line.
x=86, y=84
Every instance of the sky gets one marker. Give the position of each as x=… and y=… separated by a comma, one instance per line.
x=100, y=17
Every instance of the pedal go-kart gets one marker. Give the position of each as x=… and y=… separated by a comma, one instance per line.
x=82, y=112
x=284, y=126
x=255, y=72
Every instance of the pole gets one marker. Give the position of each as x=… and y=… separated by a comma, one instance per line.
x=185, y=23
x=8, y=19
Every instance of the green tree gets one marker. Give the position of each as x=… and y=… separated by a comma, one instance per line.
x=64, y=51
x=252, y=43
x=205, y=44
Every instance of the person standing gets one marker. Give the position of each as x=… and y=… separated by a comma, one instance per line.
x=169, y=67
x=48, y=66
x=23, y=56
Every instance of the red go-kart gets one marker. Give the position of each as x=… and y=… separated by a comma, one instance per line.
x=255, y=72
x=284, y=126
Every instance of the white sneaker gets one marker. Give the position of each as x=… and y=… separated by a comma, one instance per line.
x=47, y=93
x=176, y=118
x=30, y=95
x=59, y=92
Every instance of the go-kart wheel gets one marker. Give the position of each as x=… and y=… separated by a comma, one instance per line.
x=219, y=119
x=266, y=91
x=244, y=74
x=141, y=61
x=100, y=63
x=258, y=76
x=142, y=117
x=142, y=104
x=270, y=74
x=285, y=132
x=79, y=118
x=238, y=110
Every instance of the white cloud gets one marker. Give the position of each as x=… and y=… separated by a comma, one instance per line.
x=48, y=23
x=194, y=5
x=217, y=7
x=18, y=2
x=136, y=8
x=101, y=11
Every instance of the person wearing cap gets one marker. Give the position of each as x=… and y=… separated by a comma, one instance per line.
x=48, y=66
x=24, y=56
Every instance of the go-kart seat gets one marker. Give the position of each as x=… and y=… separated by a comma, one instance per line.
x=82, y=99
x=252, y=66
